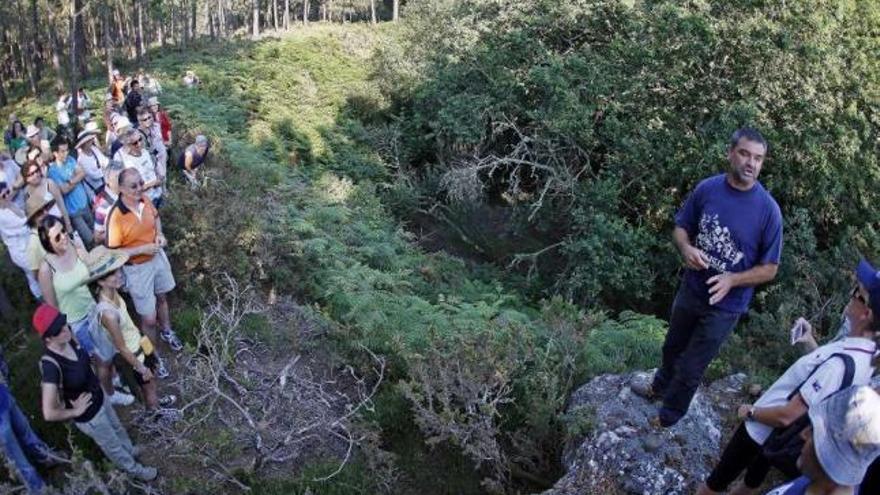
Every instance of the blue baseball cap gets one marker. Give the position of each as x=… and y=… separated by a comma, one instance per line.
x=869, y=277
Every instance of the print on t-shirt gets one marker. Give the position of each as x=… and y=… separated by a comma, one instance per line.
x=716, y=241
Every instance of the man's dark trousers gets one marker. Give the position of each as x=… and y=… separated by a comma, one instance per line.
x=696, y=333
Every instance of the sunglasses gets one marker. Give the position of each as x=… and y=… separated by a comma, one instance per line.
x=60, y=235
x=136, y=185
x=857, y=295
x=146, y=119
x=137, y=142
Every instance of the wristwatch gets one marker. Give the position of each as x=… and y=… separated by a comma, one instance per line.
x=751, y=414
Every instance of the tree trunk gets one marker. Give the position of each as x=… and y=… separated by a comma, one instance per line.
x=195, y=28
x=160, y=29
x=36, y=47
x=275, y=14
x=3, y=99
x=256, y=7
x=108, y=51
x=93, y=32
x=221, y=19
x=184, y=25
x=82, y=63
x=373, y=11
x=27, y=54
x=395, y=13
x=211, y=26
x=56, y=51
x=287, y=15
x=75, y=6
x=120, y=24
x=139, y=30
x=305, y=12
x=330, y=10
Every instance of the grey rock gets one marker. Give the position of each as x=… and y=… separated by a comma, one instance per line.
x=625, y=454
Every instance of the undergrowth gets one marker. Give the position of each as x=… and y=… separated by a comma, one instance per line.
x=293, y=206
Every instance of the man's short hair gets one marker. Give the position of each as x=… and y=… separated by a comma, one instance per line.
x=129, y=135
x=58, y=141
x=134, y=82
x=750, y=134
x=126, y=173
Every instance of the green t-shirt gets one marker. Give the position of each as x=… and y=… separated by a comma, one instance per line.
x=74, y=298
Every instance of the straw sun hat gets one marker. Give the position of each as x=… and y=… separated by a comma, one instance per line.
x=37, y=203
x=102, y=262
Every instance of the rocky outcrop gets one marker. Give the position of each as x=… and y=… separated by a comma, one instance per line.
x=620, y=452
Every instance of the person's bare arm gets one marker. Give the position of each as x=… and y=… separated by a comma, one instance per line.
x=59, y=201
x=53, y=410
x=44, y=277
x=778, y=416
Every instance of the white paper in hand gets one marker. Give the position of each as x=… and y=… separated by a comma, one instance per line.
x=798, y=330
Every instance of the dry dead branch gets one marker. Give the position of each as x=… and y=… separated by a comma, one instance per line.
x=250, y=414
x=531, y=168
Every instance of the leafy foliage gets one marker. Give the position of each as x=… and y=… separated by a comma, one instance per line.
x=631, y=104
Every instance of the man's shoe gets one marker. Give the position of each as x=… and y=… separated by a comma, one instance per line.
x=171, y=339
x=161, y=371
x=121, y=399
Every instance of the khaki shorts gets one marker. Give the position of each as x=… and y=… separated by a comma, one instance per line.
x=145, y=280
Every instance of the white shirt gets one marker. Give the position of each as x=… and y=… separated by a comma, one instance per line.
x=62, y=107
x=14, y=232
x=93, y=162
x=144, y=164
x=12, y=172
x=824, y=382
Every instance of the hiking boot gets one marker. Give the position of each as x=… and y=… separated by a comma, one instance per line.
x=171, y=339
x=144, y=473
x=645, y=390
x=161, y=371
x=167, y=400
x=121, y=399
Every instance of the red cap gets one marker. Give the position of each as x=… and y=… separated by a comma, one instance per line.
x=48, y=321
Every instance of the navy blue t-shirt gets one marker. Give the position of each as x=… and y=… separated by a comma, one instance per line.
x=736, y=229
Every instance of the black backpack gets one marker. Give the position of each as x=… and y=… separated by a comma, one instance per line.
x=784, y=445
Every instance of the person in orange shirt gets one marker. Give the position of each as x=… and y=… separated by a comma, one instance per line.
x=134, y=227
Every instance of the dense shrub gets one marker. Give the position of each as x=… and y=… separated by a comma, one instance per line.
x=602, y=115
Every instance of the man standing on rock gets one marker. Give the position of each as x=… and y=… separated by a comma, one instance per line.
x=729, y=233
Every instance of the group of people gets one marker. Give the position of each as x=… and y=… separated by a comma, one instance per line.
x=819, y=423
x=82, y=220
x=85, y=228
